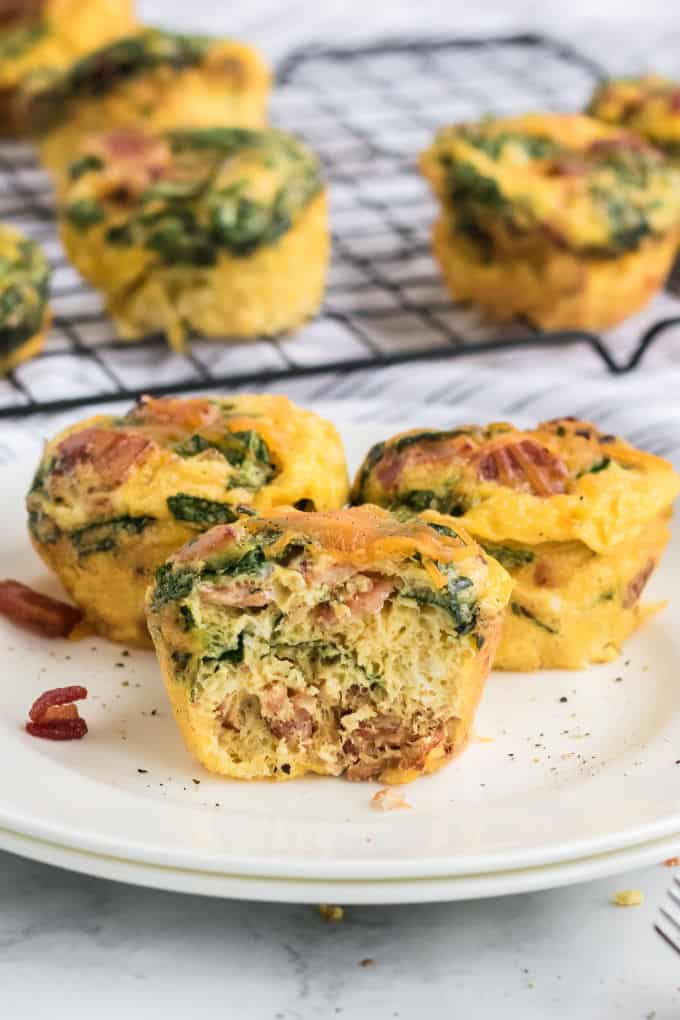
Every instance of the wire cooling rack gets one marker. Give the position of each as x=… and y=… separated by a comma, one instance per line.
x=368, y=112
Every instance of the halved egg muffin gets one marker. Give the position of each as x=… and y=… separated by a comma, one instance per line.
x=554, y=217
x=156, y=80
x=221, y=231
x=346, y=643
x=648, y=105
x=579, y=518
x=43, y=36
x=113, y=497
x=24, y=285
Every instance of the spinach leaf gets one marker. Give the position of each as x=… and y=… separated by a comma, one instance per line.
x=103, y=535
x=452, y=599
x=196, y=510
x=84, y=213
x=171, y=584
x=84, y=165
x=509, y=556
x=233, y=655
x=522, y=611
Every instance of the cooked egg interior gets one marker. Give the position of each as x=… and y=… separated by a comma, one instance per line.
x=343, y=643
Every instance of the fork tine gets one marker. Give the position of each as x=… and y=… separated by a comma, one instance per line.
x=676, y=879
x=674, y=945
x=674, y=896
x=669, y=917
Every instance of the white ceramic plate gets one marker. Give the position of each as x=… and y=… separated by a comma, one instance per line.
x=558, y=782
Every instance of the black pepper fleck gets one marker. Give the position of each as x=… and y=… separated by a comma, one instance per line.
x=142, y=772
x=563, y=700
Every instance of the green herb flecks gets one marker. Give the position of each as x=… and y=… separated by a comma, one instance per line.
x=15, y=42
x=195, y=510
x=83, y=166
x=104, y=536
x=233, y=655
x=245, y=450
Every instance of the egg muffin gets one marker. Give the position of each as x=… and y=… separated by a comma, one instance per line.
x=220, y=231
x=649, y=106
x=558, y=218
x=113, y=497
x=158, y=80
x=24, y=284
x=579, y=519
x=344, y=643
x=43, y=36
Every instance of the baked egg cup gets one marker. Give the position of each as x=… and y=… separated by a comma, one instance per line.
x=342, y=643
x=113, y=497
x=579, y=519
x=24, y=311
x=556, y=218
x=648, y=105
x=153, y=79
x=217, y=231
x=38, y=38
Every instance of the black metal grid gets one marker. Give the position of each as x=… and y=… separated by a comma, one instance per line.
x=368, y=111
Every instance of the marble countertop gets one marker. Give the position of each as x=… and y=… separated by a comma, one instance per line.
x=77, y=947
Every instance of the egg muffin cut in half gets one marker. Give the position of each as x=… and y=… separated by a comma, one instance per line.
x=219, y=231
x=649, y=106
x=553, y=217
x=114, y=497
x=349, y=642
x=40, y=37
x=155, y=80
x=578, y=518
x=24, y=284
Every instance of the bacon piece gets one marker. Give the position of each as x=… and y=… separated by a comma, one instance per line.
x=373, y=599
x=11, y=9
x=53, y=716
x=240, y=594
x=523, y=464
x=111, y=454
x=288, y=715
x=636, y=586
x=40, y=613
x=427, y=453
x=58, y=696
x=674, y=100
x=68, y=729
x=218, y=538
x=189, y=413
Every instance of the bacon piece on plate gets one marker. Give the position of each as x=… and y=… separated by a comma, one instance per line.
x=53, y=716
x=42, y=614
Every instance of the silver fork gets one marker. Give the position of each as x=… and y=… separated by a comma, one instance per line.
x=669, y=928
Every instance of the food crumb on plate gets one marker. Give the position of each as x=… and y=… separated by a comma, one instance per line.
x=629, y=898
x=672, y=862
x=368, y=962
x=331, y=913
x=388, y=799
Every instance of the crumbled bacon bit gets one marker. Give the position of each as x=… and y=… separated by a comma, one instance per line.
x=388, y=799
x=42, y=614
x=53, y=716
x=428, y=453
x=109, y=453
x=636, y=586
x=672, y=862
x=523, y=464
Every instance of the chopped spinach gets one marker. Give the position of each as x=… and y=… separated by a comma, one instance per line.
x=195, y=510
x=103, y=536
x=598, y=466
x=43, y=528
x=24, y=283
x=233, y=655
x=443, y=529
x=246, y=450
x=453, y=600
x=14, y=42
x=84, y=165
x=509, y=556
x=84, y=213
x=418, y=499
x=533, y=146
x=187, y=617
x=171, y=585
x=526, y=614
